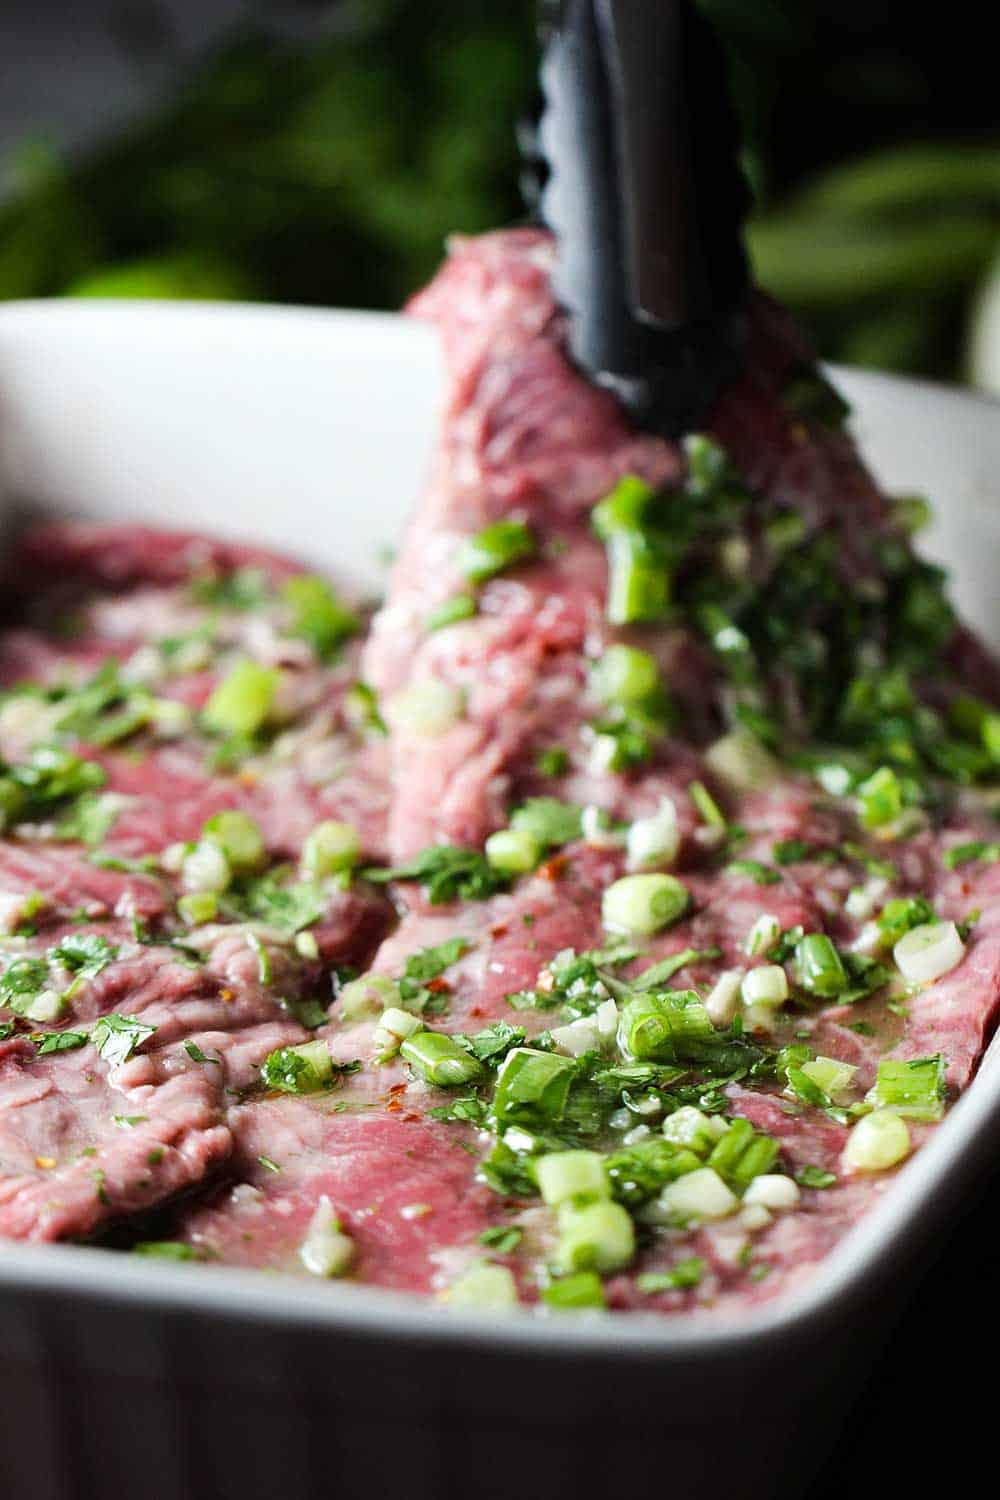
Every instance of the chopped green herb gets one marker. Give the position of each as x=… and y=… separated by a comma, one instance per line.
x=903, y=913
x=268, y=1164
x=60, y=1041
x=117, y=1037
x=165, y=1249
x=978, y=850
x=448, y=872
x=686, y=1273
x=84, y=954
x=496, y=548
x=809, y=1176
x=755, y=871
x=914, y=1088
x=196, y=1055
x=317, y=615
x=503, y=1238
x=552, y=762
x=450, y=612
x=548, y=820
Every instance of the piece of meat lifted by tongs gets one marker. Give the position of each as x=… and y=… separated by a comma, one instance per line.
x=637, y=148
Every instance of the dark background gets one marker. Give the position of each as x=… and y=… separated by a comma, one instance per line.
x=319, y=153
x=320, y=150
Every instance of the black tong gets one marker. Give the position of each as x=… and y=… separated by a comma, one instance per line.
x=645, y=196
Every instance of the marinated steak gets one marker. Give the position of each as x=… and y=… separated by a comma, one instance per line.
x=646, y=848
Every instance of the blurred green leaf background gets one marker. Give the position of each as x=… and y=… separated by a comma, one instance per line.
x=331, y=169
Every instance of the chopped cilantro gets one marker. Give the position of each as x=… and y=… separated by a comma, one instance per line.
x=503, y=1238
x=448, y=872
x=59, y=1041
x=492, y=1045
x=117, y=1037
x=83, y=953
x=196, y=1055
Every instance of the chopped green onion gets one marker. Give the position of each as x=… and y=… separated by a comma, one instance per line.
x=206, y=868
x=597, y=1237
x=706, y=806
x=638, y=567
x=581, y=1289
x=532, y=1087
x=440, y=1059
x=242, y=701
x=877, y=1141
x=428, y=709
x=742, y=1154
x=669, y=1027
x=450, y=612
x=643, y=904
x=914, y=1088
x=512, y=851
x=638, y=579
x=330, y=848
x=880, y=798
x=654, y=840
x=239, y=838
x=723, y=998
x=367, y=996
x=773, y=1191
x=902, y=914
x=697, y=1196
x=198, y=907
x=766, y=985
x=394, y=1027
x=762, y=936
x=626, y=676
x=489, y=1287
x=833, y=1077
x=741, y=762
x=928, y=952
x=818, y=966
x=326, y=1249
x=318, y=616
x=496, y=548
x=691, y=1128
x=571, y=1175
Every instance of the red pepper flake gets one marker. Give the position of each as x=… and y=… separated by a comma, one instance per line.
x=394, y=1106
x=500, y=930
x=555, y=868
x=439, y=986
x=412, y=1118
x=398, y=1088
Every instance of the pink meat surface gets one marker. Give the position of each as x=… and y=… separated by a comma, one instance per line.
x=85, y=1141
x=523, y=438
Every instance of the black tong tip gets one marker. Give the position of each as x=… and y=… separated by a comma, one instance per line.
x=646, y=198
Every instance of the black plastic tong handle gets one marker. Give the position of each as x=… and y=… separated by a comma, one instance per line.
x=646, y=199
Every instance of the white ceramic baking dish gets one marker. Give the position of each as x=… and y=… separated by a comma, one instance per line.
x=308, y=431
